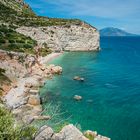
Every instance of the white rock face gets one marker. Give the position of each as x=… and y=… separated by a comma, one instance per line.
x=67, y=38
x=69, y=132
x=45, y=133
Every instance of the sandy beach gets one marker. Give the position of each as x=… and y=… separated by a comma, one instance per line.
x=50, y=57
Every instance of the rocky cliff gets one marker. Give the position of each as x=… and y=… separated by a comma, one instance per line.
x=55, y=33
x=65, y=38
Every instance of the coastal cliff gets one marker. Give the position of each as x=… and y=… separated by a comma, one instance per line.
x=55, y=33
x=65, y=38
x=21, y=31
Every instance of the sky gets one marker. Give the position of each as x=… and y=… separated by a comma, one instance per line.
x=123, y=14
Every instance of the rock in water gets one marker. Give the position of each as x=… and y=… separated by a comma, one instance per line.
x=34, y=100
x=78, y=78
x=77, y=97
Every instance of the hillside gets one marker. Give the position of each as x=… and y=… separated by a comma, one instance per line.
x=17, y=13
x=110, y=31
x=57, y=34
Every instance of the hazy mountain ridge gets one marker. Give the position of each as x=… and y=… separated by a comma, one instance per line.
x=111, y=31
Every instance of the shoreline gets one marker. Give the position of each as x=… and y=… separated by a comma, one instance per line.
x=24, y=100
x=50, y=57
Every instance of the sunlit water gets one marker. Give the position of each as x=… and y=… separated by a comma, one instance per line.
x=111, y=91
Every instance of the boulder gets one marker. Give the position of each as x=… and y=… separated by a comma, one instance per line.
x=45, y=133
x=69, y=132
x=34, y=100
x=56, y=70
x=78, y=78
x=77, y=97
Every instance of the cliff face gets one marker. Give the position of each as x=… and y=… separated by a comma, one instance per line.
x=67, y=38
x=57, y=34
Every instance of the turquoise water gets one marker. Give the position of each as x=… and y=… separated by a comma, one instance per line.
x=111, y=91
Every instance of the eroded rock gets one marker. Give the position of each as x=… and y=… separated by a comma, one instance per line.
x=69, y=132
x=77, y=97
x=34, y=100
x=45, y=133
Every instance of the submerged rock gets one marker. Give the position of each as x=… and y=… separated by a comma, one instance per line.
x=77, y=97
x=78, y=78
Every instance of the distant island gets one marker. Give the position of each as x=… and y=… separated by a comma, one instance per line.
x=111, y=31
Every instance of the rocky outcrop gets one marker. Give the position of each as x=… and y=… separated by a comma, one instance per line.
x=68, y=132
x=67, y=38
x=45, y=133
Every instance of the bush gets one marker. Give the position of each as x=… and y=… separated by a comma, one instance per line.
x=10, y=131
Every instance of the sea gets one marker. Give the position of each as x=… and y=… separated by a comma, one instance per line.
x=110, y=93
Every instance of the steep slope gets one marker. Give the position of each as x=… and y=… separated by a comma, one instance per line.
x=110, y=31
x=57, y=34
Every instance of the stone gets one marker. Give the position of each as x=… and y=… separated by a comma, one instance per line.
x=34, y=92
x=78, y=78
x=55, y=69
x=69, y=132
x=45, y=133
x=77, y=97
x=34, y=100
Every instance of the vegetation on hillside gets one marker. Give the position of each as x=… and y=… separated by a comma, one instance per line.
x=26, y=17
x=10, y=40
x=10, y=131
x=3, y=80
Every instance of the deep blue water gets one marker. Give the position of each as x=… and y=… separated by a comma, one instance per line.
x=111, y=91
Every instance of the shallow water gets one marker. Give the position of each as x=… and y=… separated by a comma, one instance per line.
x=111, y=91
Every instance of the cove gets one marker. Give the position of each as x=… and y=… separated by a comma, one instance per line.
x=111, y=91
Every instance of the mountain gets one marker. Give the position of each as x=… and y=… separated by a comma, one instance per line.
x=110, y=31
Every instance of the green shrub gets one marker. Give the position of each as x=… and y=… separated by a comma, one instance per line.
x=90, y=137
x=10, y=131
x=17, y=42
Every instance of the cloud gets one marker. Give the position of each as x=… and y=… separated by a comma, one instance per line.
x=105, y=9
x=117, y=13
